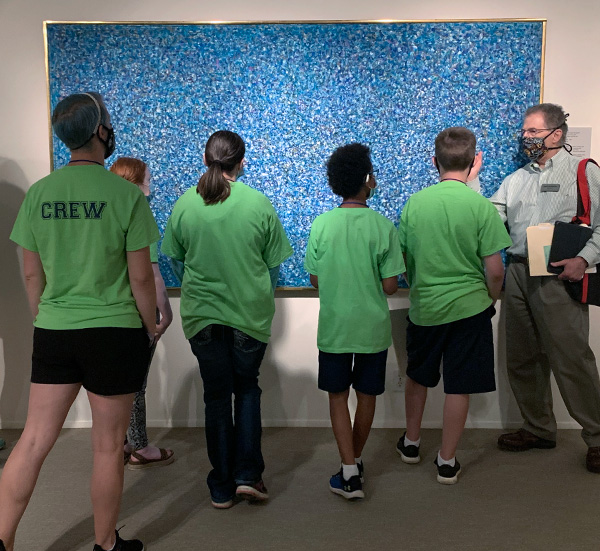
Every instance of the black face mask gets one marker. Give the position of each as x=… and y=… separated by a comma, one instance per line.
x=109, y=143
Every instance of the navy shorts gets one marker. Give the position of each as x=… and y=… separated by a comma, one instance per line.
x=466, y=347
x=367, y=375
x=106, y=360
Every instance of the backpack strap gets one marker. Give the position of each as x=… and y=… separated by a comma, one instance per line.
x=583, y=194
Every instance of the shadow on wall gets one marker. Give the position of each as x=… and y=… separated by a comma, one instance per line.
x=16, y=329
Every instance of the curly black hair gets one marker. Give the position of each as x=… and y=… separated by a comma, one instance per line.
x=347, y=169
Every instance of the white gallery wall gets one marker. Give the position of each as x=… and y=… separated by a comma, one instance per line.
x=289, y=372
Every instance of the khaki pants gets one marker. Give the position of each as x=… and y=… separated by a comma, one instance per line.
x=547, y=331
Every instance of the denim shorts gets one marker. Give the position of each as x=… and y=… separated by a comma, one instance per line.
x=337, y=372
x=107, y=361
x=466, y=348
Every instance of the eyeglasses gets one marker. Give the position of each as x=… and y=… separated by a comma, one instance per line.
x=534, y=131
x=374, y=172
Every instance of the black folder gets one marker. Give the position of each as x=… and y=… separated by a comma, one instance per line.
x=567, y=241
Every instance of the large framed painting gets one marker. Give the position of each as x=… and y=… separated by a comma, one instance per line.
x=295, y=91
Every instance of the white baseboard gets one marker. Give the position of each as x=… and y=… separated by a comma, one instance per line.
x=297, y=423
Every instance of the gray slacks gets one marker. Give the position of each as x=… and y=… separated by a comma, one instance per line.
x=548, y=331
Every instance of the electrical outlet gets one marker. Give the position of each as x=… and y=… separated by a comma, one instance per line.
x=399, y=384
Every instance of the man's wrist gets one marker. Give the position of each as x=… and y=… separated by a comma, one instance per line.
x=585, y=262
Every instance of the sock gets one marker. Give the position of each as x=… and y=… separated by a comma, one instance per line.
x=441, y=461
x=408, y=442
x=349, y=471
x=358, y=460
x=111, y=549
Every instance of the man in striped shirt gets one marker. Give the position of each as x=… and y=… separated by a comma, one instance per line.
x=546, y=330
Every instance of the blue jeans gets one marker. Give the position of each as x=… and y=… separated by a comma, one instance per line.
x=229, y=361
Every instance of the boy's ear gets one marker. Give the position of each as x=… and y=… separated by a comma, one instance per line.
x=434, y=161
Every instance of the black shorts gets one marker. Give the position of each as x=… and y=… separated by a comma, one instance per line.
x=367, y=375
x=106, y=360
x=466, y=347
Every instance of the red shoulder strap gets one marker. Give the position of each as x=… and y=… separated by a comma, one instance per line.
x=583, y=194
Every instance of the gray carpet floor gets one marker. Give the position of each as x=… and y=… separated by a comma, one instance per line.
x=536, y=500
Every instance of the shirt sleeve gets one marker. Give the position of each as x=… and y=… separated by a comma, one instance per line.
x=475, y=184
x=493, y=236
x=392, y=262
x=154, y=253
x=402, y=227
x=142, y=230
x=310, y=259
x=499, y=200
x=171, y=244
x=277, y=246
x=22, y=233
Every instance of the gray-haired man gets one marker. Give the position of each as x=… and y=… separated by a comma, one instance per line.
x=547, y=331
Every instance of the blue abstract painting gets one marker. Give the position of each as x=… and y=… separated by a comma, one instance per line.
x=295, y=92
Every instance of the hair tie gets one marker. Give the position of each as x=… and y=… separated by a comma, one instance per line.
x=216, y=161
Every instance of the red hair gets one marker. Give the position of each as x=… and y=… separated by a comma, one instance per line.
x=131, y=169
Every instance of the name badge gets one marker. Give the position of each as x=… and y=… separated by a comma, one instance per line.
x=550, y=187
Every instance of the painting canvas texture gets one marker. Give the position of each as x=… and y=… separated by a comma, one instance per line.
x=295, y=92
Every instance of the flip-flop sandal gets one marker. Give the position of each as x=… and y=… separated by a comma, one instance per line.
x=166, y=458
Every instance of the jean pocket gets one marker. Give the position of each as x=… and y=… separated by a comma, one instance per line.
x=203, y=337
x=246, y=343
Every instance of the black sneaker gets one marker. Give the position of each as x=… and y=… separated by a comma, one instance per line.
x=350, y=489
x=446, y=473
x=361, y=471
x=122, y=545
x=408, y=454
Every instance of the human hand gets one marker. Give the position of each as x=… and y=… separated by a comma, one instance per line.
x=162, y=327
x=574, y=268
x=477, y=164
x=153, y=336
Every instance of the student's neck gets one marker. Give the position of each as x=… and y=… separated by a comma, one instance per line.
x=458, y=175
x=230, y=176
x=94, y=157
x=357, y=202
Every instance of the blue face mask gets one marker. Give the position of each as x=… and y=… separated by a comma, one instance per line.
x=150, y=197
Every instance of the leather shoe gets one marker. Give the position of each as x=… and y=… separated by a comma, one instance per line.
x=523, y=440
x=592, y=459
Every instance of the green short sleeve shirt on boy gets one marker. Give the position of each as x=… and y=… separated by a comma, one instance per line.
x=227, y=250
x=351, y=250
x=445, y=231
x=82, y=220
x=154, y=253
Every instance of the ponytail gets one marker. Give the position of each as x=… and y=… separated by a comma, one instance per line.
x=212, y=186
x=224, y=151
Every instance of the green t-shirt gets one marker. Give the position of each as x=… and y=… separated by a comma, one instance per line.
x=82, y=220
x=154, y=253
x=445, y=231
x=227, y=250
x=351, y=251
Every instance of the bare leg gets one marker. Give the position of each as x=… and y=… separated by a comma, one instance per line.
x=342, y=426
x=363, y=419
x=415, y=398
x=48, y=408
x=456, y=408
x=110, y=419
